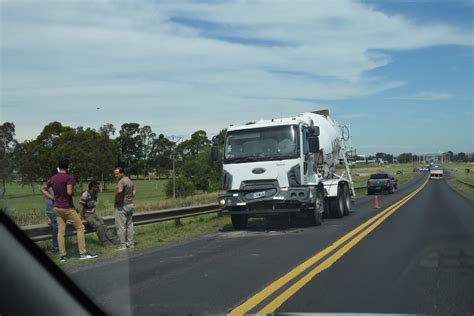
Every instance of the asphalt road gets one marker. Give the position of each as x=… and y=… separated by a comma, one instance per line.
x=417, y=256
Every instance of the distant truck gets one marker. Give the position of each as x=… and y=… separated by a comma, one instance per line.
x=379, y=182
x=284, y=166
x=436, y=172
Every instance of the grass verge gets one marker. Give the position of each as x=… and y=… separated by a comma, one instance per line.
x=457, y=171
x=146, y=236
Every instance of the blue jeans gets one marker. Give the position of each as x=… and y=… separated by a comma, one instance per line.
x=54, y=228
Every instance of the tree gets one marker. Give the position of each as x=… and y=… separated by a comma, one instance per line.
x=7, y=148
x=106, y=153
x=202, y=171
x=449, y=155
x=384, y=157
x=461, y=157
x=28, y=163
x=193, y=146
x=405, y=158
x=129, y=147
x=79, y=145
x=47, y=148
x=184, y=187
x=147, y=141
x=163, y=154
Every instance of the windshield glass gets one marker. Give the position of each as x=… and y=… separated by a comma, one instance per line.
x=379, y=176
x=215, y=157
x=269, y=143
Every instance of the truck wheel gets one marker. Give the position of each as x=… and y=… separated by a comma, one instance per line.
x=391, y=190
x=369, y=192
x=239, y=221
x=347, y=199
x=316, y=214
x=337, y=204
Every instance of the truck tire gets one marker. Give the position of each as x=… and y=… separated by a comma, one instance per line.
x=391, y=189
x=316, y=214
x=347, y=199
x=239, y=221
x=370, y=192
x=336, y=205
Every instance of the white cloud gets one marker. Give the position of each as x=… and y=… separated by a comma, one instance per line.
x=425, y=96
x=178, y=55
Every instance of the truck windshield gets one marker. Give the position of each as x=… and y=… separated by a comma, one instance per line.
x=259, y=144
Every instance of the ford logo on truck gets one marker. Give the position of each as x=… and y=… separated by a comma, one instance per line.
x=259, y=170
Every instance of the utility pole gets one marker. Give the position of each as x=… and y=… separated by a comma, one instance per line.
x=176, y=140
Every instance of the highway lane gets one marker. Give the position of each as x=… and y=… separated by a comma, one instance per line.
x=218, y=272
x=421, y=260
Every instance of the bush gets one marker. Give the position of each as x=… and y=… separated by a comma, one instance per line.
x=184, y=187
x=215, y=185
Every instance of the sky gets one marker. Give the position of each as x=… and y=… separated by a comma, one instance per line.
x=399, y=72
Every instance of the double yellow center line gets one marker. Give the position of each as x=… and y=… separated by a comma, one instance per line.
x=369, y=226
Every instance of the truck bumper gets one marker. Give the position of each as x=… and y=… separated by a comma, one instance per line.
x=379, y=188
x=291, y=200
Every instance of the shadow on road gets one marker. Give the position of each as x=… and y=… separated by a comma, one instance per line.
x=279, y=224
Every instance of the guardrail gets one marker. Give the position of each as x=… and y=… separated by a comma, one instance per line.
x=466, y=183
x=43, y=231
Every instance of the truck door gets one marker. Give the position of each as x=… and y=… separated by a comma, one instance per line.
x=308, y=158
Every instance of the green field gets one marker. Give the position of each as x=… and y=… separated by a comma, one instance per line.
x=458, y=171
x=26, y=207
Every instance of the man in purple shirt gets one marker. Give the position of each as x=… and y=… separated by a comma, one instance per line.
x=63, y=184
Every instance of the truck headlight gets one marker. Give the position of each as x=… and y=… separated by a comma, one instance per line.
x=222, y=202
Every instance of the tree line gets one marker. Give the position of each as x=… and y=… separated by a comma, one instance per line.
x=95, y=153
x=140, y=151
x=410, y=157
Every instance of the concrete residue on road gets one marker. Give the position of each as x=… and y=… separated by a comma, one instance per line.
x=262, y=233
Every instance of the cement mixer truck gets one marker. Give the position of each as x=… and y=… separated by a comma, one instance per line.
x=285, y=166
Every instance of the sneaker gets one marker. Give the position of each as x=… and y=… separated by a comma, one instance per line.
x=121, y=247
x=86, y=256
x=62, y=259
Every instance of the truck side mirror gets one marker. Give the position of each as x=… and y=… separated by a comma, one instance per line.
x=314, y=130
x=217, y=140
x=214, y=153
x=313, y=144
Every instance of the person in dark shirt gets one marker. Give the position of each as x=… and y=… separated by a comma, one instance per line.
x=63, y=185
